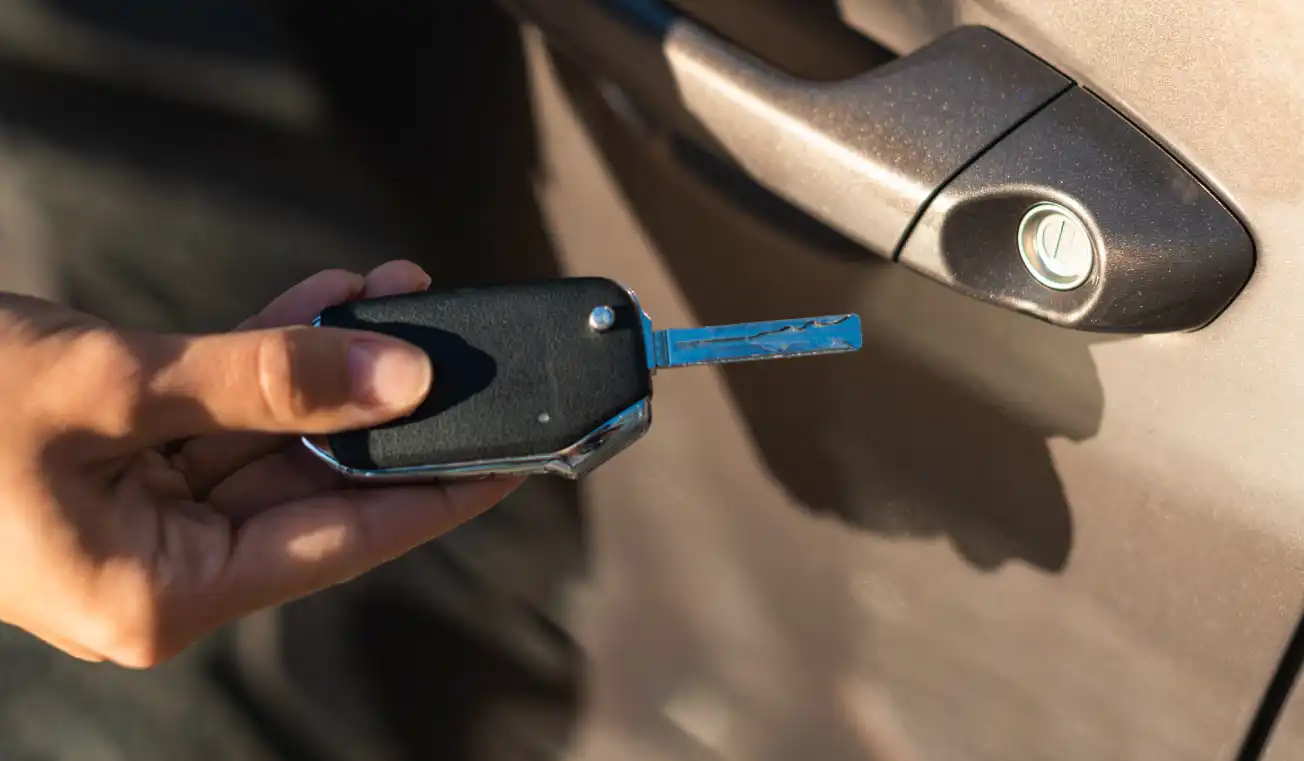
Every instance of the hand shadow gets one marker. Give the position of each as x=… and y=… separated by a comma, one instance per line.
x=937, y=427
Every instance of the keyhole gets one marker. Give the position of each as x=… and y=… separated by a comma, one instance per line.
x=1056, y=247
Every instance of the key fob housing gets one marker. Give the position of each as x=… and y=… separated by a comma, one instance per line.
x=523, y=382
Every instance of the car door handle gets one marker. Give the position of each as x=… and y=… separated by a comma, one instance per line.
x=970, y=160
x=865, y=154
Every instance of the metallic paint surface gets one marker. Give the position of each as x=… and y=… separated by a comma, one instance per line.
x=1201, y=433
x=727, y=620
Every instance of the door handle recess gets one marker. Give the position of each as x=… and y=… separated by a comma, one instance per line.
x=970, y=160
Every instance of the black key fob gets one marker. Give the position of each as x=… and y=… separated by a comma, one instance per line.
x=548, y=377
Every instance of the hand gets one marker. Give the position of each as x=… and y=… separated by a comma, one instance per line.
x=152, y=488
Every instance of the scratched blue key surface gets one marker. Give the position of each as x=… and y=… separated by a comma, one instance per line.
x=779, y=339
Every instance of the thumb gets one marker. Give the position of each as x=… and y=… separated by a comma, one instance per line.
x=292, y=380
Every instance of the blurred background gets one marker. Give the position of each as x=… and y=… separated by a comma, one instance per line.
x=175, y=165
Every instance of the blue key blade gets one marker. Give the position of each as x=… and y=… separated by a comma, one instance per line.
x=757, y=340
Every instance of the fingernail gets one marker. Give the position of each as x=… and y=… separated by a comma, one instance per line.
x=389, y=375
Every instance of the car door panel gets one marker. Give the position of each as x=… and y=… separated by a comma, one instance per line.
x=1121, y=572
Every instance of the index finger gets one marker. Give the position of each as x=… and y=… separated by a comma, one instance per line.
x=303, y=302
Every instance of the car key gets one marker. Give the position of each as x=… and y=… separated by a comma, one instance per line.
x=552, y=377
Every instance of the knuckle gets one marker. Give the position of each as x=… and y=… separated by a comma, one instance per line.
x=106, y=352
x=102, y=370
x=339, y=273
x=282, y=399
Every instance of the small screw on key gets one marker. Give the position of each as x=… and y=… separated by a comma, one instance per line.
x=541, y=378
